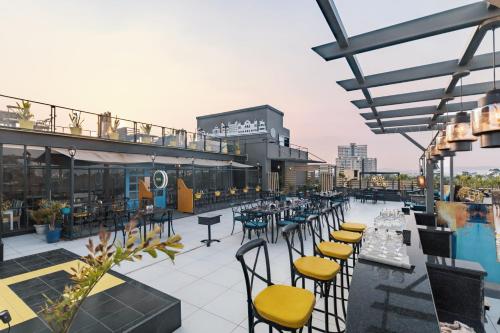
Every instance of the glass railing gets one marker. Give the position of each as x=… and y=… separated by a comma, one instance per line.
x=49, y=118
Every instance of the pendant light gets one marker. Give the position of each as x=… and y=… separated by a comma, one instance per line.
x=485, y=119
x=459, y=132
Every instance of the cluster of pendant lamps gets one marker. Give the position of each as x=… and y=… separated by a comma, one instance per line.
x=482, y=123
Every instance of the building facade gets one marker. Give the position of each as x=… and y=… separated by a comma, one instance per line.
x=259, y=134
x=353, y=159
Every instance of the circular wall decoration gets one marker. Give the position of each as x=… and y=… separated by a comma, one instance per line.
x=160, y=179
x=273, y=132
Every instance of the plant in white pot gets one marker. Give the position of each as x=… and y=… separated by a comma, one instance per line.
x=146, y=133
x=41, y=217
x=24, y=114
x=113, y=129
x=76, y=123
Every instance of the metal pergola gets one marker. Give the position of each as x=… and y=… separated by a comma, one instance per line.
x=484, y=15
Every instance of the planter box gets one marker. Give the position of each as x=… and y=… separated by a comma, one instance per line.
x=76, y=130
x=40, y=229
x=26, y=124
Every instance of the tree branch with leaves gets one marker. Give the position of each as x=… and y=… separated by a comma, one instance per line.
x=103, y=257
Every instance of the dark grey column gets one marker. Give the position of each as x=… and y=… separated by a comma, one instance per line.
x=71, y=195
x=1, y=202
x=429, y=190
x=452, y=181
x=48, y=174
x=441, y=179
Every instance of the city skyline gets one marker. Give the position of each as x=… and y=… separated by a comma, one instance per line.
x=170, y=62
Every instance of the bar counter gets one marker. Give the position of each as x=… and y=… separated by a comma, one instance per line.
x=390, y=299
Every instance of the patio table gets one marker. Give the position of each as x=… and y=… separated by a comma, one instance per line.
x=271, y=215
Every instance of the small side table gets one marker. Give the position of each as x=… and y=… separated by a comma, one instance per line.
x=10, y=214
x=209, y=221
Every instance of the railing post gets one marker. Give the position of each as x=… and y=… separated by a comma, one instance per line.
x=99, y=126
x=220, y=145
x=185, y=139
x=163, y=136
x=204, y=142
x=135, y=131
x=53, y=118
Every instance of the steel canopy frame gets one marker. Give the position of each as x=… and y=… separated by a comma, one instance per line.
x=454, y=19
x=481, y=14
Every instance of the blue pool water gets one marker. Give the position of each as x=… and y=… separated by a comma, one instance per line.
x=476, y=242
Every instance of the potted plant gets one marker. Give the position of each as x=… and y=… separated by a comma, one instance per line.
x=24, y=114
x=113, y=129
x=76, y=123
x=53, y=234
x=41, y=218
x=146, y=131
x=104, y=124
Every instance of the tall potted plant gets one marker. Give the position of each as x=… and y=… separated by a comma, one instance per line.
x=54, y=232
x=24, y=114
x=113, y=129
x=76, y=123
x=146, y=133
x=41, y=216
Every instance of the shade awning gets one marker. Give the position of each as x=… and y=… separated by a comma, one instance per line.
x=123, y=158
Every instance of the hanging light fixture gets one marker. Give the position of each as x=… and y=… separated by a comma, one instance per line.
x=459, y=131
x=441, y=142
x=485, y=119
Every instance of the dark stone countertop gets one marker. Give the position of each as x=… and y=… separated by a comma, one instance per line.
x=389, y=299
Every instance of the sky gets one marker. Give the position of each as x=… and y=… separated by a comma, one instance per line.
x=166, y=62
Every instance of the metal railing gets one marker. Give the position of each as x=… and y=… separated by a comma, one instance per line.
x=51, y=118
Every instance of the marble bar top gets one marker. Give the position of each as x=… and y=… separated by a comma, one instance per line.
x=389, y=299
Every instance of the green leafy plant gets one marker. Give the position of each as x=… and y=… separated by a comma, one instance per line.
x=23, y=110
x=76, y=119
x=48, y=212
x=6, y=205
x=102, y=257
x=146, y=128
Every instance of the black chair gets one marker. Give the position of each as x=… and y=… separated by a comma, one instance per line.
x=321, y=271
x=425, y=219
x=160, y=218
x=282, y=307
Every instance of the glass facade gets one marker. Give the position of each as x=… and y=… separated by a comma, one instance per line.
x=31, y=174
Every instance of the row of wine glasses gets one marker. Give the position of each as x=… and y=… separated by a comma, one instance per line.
x=390, y=219
x=384, y=243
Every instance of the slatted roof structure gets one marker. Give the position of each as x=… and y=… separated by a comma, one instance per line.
x=483, y=15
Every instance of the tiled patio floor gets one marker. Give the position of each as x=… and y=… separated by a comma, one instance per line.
x=209, y=281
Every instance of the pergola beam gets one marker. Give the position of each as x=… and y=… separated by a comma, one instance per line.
x=420, y=111
x=427, y=26
x=429, y=71
x=425, y=95
x=334, y=21
x=412, y=140
x=406, y=122
x=407, y=129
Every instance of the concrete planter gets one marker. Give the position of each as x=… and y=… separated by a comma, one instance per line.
x=113, y=135
x=76, y=130
x=26, y=124
x=41, y=229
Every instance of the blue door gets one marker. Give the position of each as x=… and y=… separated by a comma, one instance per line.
x=132, y=178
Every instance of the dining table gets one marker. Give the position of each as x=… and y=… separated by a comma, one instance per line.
x=272, y=213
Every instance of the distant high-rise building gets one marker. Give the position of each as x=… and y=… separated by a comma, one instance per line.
x=353, y=159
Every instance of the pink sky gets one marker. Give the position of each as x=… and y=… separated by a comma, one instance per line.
x=168, y=61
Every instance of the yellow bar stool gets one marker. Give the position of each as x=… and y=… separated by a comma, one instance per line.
x=321, y=271
x=282, y=307
x=340, y=235
x=349, y=226
x=339, y=252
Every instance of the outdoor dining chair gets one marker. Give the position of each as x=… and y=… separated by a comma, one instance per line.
x=282, y=307
x=339, y=252
x=321, y=271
